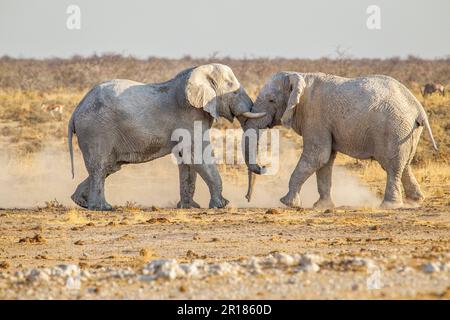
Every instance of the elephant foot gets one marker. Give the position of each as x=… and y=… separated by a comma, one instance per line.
x=416, y=197
x=291, y=201
x=80, y=200
x=414, y=202
x=187, y=204
x=218, y=203
x=386, y=204
x=324, y=204
x=101, y=207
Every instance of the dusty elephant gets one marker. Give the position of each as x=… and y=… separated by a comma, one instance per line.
x=121, y=121
x=373, y=117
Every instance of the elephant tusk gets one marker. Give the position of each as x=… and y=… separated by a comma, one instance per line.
x=253, y=115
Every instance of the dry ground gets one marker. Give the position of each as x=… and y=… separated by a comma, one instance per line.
x=400, y=243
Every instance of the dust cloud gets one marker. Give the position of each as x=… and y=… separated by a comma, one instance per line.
x=45, y=176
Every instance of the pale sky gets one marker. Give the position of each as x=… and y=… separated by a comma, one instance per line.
x=236, y=28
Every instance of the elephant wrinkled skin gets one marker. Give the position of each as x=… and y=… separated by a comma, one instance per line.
x=122, y=121
x=373, y=117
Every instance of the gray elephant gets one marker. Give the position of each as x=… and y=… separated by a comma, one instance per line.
x=121, y=121
x=373, y=117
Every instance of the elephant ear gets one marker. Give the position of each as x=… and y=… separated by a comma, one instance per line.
x=296, y=86
x=201, y=90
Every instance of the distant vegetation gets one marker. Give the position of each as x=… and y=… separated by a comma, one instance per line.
x=81, y=73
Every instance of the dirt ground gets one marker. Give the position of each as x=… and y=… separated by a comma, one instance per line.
x=409, y=249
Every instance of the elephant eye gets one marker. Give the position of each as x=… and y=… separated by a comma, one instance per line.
x=271, y=101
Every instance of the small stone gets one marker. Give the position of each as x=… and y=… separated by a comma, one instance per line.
x=73, y=283
x=223, y=268
x=165, y=268
x=310, y=258
x=431, y=267
x=191, y=254
x=37, y=275
x=183, y=288
x=268, y=261
x=284, y=259
x=310, y=267
x=193, y=269
x=36, y=239
x=66, y=270
x=85, y=274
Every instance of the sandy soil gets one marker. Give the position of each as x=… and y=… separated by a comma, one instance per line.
x=408, y=250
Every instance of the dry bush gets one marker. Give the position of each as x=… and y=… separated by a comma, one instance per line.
x=80, y=73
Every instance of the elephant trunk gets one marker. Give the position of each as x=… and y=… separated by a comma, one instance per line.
x=250, y=152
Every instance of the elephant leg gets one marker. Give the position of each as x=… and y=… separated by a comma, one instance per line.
x=81, y=194
x=97, y=193
x=324, y=176
x=211, y=176
x=393, y=192
x=412, y=188
x=98, y=173
x=188, y=176
x=314, y=157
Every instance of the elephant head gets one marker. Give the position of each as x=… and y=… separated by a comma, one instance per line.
x=277, y=99
x=215, y=89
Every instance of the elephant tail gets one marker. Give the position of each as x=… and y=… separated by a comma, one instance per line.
x=422, y=120
x=70, y=132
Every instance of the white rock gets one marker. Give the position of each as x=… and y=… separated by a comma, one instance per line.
x=224, y=268
x=362, y=262
x=268, y=261
x=404, y=269
x=165, y=268
x=19, y=276
x=85, y=274
x=254, y=264
x=66, y=270
x=310, y=258
x=284, y=259
x=308, y=267
x=73, y=283
x=36, y=275
x=431, y=267
x=194, y=269
x=121, y=273
x=144, y=277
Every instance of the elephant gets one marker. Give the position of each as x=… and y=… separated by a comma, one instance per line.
x=371, y=117
x=122, y=121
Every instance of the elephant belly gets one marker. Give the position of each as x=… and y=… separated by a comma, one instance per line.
x=140, y=150
x=357, y=145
